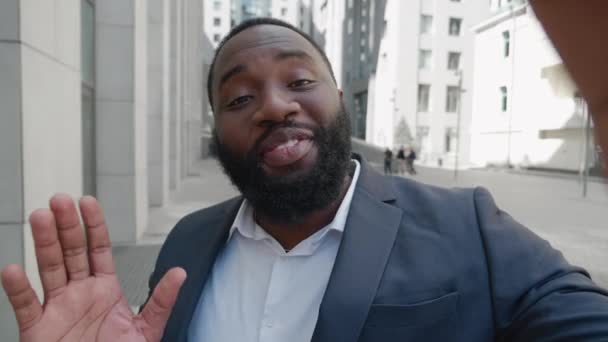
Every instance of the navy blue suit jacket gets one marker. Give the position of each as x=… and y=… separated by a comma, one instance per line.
x=417, y=263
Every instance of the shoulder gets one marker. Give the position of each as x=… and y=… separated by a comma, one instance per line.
x=408, y=190
x=451, y=212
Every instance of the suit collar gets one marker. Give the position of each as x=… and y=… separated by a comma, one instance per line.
x=207, y=246
x=365, y=249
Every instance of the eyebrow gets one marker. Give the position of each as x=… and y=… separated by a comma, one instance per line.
x=283, y=55
x=237, y=69
x=286, y=54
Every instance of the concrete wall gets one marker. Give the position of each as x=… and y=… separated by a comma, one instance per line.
x=121, y=69
x=149, y=101
x=40, y=134
x=542, y=126
x=158, y=178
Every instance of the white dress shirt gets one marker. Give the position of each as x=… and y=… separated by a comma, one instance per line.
x=257, y=292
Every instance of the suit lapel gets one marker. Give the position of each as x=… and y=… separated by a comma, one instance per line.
x=206, y=248
x=368, y=238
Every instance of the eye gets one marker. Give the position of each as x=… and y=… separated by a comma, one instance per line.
x=239, y=101
x=300, y=83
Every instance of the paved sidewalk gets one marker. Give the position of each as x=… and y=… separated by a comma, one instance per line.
x=134, y=264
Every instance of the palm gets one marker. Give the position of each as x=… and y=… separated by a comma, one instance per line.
x=83, y=298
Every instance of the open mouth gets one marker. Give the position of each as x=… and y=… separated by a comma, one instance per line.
x=286, y=146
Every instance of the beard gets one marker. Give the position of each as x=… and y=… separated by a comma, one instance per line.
x=289, y=199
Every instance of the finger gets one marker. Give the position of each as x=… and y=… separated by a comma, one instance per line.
x=156, y=312
x=48, y=253
x=71, y=237
x=98, y=238
x=26, y=305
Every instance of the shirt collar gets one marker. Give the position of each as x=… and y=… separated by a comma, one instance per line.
x=246, y=225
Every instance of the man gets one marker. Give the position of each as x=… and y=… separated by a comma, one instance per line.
x=319, y=247
x=388, y=161
x=411, y=158
x=401, y=160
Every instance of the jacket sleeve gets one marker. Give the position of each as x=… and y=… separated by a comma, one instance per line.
x=537, y=295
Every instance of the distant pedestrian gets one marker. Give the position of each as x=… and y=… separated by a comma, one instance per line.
x=401, y=160
x=411, y=157
x=388, y=161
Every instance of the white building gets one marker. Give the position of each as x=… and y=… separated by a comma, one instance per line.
x=217, y=19
x=416, y=97
x=296, y=12
x=327, y=30
x=97, y=97
x=525, y=112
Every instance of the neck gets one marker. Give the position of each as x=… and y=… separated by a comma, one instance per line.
x=291, y=234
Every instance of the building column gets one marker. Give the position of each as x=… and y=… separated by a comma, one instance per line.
x=174, y=93
x=121, y=69
x=158, y=188
x=40, y=133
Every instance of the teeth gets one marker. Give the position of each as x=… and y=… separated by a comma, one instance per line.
x=290, y=143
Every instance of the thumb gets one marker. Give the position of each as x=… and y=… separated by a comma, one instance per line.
x=156, y=312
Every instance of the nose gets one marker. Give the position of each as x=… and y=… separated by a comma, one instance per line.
x=276, y=107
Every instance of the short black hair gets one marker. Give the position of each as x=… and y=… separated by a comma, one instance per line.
x=255, y=22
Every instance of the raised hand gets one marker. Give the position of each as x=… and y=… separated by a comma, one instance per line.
x=83, y=300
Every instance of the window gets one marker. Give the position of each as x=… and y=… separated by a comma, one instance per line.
x=450, y=139
x=452, y=99
x=424, y=59
x=426, y=24
x=217, y=22
x=455, y=24
x=504, y=99
x=506, y=39
x=283, y=11
x=453, y=60
x=424, y=91
x=349, y=26
x=216, y=38
x=217, y=5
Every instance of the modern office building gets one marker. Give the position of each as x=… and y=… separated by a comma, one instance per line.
x=363, y=26
x=98, y=97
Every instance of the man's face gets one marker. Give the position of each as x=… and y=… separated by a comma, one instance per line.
x=281, y=131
